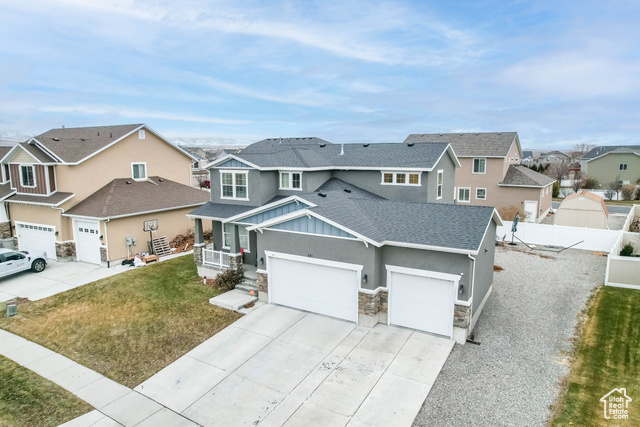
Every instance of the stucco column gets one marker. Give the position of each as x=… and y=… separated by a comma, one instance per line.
x=199, y=235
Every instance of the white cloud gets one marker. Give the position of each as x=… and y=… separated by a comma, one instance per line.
x=137, y=114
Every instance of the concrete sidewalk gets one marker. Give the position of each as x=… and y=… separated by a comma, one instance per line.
x=116, y=404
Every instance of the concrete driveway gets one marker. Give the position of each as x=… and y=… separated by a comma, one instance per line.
x=280, y=366
x=57, y=277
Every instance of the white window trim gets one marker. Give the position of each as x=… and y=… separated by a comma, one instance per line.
x=626, y=166
x=146, y=172
x=233, y=180
x=290, y=173
x=464, y=188
x=440, y=173
x=33, y=171
x=473, y=165
x=485, y=194
x=224, y=243
x=395, y=173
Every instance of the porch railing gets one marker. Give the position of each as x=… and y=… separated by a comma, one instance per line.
x=215, y=258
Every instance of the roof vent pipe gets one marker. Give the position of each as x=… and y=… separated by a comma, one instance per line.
x=110, y=134
x=280, y=140
x=342, y=149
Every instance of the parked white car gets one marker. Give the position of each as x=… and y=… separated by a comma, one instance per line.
x=15, y=261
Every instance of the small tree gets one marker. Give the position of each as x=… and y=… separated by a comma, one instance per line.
x=557, y=171
x=614, y=186
x=627, y=250
x=628, y=192
x=576, y=181
x=590, y=183
x=556, y=189
x=609, y=193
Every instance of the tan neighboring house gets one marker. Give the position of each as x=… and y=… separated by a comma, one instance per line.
x=582, y=209
x=84, y=193
x=491, y=173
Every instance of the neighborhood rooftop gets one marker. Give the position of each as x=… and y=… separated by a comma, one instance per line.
x=519, y=175
x=474, y=144
x=313, y=155
x=606, y=149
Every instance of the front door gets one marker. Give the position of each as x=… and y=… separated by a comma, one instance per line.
x=88, y=241
x=530, y=210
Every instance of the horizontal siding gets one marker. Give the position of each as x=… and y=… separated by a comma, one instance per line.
x=41, y=184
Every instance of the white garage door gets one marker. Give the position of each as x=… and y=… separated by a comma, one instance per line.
x=319, y=286
x=37, y=237
x=424, y=302
x=88, y=241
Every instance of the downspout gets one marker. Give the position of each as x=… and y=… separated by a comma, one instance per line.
x=106, y=240
x=61, y=212
x=472, y=284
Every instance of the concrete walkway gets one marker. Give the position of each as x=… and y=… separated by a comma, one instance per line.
x=59, y=277
x=116, y=405
x=281, y=366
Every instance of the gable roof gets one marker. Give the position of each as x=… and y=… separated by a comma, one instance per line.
x=522, y=176
x=588, y=195
x=4, y=150
x=478, y=144
x=126, y=197
x=364, y=156
x=377, y=220
x=74, y=145
x=606, y=149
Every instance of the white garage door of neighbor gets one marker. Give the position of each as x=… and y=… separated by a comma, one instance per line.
x=423, y=303
x=314, y=286
x=37, y=237
x=88, y=241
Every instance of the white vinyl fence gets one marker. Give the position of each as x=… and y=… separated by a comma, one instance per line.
x=624, y=271
x=561, y=235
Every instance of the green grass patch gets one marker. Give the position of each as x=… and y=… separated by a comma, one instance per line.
x=129, y=326
x=27, y=399
x=607, y=357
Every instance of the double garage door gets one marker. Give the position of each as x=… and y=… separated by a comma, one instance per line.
x=417, y=299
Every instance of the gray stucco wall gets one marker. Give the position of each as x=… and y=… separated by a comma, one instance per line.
x=484, y=266
x=448, y=170
x=372, y=181
x=341, y=250
x=442, y=262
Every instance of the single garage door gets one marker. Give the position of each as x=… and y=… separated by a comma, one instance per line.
x=88, y=241
x=37, y=237
x=422, y=300
x=319, y=286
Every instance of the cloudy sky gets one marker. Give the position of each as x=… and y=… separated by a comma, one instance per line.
x=557, y=72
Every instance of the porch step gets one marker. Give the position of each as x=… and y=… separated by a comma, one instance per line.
x=233, y=300
x=247, y=287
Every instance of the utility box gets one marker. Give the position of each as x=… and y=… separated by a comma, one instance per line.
x=129, y=240
x=12, y=310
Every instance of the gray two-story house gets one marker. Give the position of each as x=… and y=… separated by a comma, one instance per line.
x=367, y=233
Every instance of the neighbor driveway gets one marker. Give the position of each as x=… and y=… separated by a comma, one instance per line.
x=57, y=277
x=280, y=366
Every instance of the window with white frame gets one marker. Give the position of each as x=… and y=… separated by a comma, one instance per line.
x=27, y=176
x=481, y=193
x=141, y=134
x=479, y=165
x=440, y=182
x=400, y=178
x=623, y=166
x=291, y=180
x=243, y=237
x=464, y=194
x=139, y=171
x=234, y=185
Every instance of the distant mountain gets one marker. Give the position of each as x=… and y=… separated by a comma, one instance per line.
x=207, y=143
x=8, y=136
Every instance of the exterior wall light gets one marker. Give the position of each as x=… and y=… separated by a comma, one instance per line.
x=364, y=279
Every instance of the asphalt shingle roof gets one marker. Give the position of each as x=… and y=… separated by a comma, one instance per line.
x=124, y=196
x=37, y=153
x=55, y=199
x=377, y=155
x=520, y=175
x=5, y=190
x=470, y=144
x=4, y=149
x=74, y=144
x=226, y=210
x=601, y=150
x=278, y=144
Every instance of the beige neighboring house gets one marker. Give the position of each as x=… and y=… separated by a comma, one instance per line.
x=582, y=209
x=78, y=193
x=491, y=173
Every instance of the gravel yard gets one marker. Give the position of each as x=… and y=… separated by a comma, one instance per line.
x=525, y=330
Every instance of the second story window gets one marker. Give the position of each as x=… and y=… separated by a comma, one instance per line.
x=623, y=166
x=400, y=178
x=234, y=185
x=139, y=171
x=291, y=180
x=27, y=176
x=440, y=180
x=479, y=165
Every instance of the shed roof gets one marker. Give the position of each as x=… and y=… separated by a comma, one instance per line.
x=522, y=176
x=589, y=195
